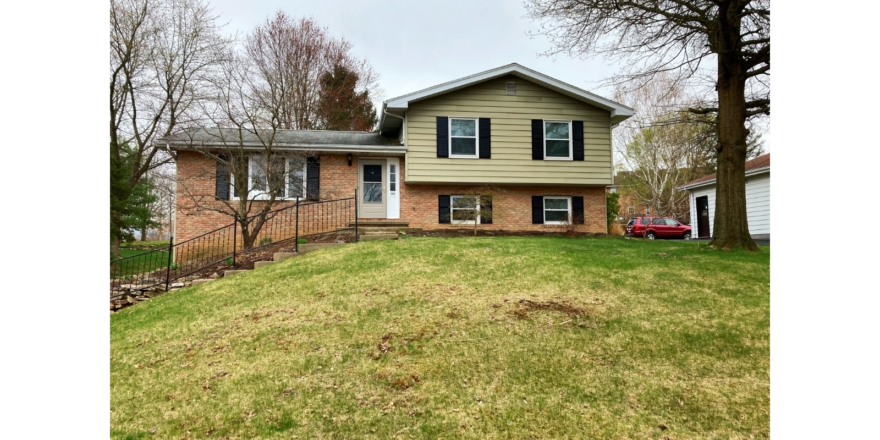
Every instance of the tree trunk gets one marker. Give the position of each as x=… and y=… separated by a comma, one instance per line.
x=114, y=247
x=144, y=233
x=731, y=228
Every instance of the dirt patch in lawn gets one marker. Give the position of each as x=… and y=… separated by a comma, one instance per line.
x=525, y=306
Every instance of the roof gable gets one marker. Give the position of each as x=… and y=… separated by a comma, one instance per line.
x=753, y=165
x=387, y=126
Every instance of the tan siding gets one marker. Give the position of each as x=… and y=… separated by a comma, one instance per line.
x=512, y=115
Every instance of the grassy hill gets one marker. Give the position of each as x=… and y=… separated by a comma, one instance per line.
x=498, y=337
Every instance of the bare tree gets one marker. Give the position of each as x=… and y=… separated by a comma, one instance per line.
x=683, y=38
x=474, y=207
x=661, y=147
x=163, y=181
x=161, y=55
x=292, y=55
x=248, y=114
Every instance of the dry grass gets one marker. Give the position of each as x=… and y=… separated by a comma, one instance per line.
x=456, y=338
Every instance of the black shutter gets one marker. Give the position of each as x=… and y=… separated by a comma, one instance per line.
x=485, y=138
x=537, y=210
x=221, y=189
x=313, y=178
x=577, y=210
x=538, y=139
x=578, y=138
x=486, y=207
x=442, y=136
x=443, y=204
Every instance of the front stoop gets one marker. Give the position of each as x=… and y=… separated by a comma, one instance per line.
x=377, y=223
x=392, y=230
x=378, y=236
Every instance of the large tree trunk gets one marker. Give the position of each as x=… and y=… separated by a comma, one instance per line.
x=731, y=228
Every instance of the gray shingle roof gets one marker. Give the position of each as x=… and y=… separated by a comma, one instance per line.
x=229, y=136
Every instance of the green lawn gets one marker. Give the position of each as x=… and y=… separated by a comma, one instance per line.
x=147, y=262
x=503, y=337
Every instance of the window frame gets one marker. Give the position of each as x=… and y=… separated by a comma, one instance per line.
x=452, y=208
x=631, y=210
x=544, y=210
x=264, y=195
x=392, y=178
x=476, y=138
x=570, y=140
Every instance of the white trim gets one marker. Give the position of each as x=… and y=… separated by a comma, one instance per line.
x=392, y=209
x=713, y=180
x=619, y=112
x=544, y=209
x=452, y=208
x=256, y=146
x=570, y=141
x=265, y=196
x=475, y=137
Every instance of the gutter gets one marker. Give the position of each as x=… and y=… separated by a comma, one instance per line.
x=715, y=179
x=256, y=146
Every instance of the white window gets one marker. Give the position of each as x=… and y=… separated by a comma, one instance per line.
x=631, y=210
x=557, y=210
x=557, y=140
x=464, y=210
x=392, y=177
x=463, y=140
x=647, y=210
x=263, y=179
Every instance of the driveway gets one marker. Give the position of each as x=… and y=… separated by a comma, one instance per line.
x=759, y=242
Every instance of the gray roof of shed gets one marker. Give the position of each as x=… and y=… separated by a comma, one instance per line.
x=230, y=136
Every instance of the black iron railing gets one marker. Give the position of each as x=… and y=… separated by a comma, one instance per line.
x=161, y=267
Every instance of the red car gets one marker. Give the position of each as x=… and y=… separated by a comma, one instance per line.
x=667, y=228
x=657, y=227
x=636, y=226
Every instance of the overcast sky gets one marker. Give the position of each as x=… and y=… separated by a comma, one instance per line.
x=418, y=44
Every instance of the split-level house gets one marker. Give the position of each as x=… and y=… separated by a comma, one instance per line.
x=545, y=144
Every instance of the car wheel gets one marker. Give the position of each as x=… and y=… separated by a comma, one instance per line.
x=650, y=235
x=686, y=236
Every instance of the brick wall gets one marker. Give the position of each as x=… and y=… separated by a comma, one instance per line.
x=418, y=203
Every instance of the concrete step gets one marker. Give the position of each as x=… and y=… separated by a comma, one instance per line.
x=281, y=256
x=258, y=264
x=201, y=281
x=309, y=247
x=230, y=273
x=387, y=230
x=371, y=237
x=370, y=223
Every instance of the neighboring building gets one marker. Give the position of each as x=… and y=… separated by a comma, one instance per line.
x=702, y=200
x=629, y=208
x=545, y=142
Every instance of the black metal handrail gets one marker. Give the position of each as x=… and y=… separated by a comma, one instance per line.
x=150, y=269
